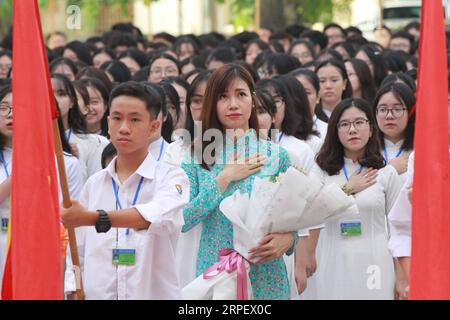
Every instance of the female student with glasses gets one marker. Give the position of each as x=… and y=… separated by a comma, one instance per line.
x=353, y=260
x=392, y=109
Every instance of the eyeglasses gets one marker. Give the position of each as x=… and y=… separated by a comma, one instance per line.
x=5, y=110
x=168, y=71
x=396, y=112
x=345, y=126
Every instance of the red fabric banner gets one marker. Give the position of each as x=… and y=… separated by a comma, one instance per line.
x=34, y=260
x=430, y=256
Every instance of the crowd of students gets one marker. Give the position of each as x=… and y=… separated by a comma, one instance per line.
x=146, y=202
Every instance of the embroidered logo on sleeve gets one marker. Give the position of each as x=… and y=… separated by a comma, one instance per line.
x=179, y=188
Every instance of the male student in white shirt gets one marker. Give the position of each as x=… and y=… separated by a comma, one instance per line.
x=128, y=233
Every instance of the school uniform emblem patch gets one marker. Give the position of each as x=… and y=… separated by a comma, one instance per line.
x=179, y=188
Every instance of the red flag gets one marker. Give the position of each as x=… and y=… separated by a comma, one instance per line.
x=430, y=256
x=34, y=260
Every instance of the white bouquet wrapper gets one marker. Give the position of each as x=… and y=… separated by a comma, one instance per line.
x=296, y=201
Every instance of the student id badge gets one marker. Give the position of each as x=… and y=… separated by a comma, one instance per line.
x=5, y=224
x=351, y=228
x=124, y=257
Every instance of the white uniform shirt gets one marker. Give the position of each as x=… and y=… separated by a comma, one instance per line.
x=320, y=126
x=394, y=150
x=90, y=147
x=158, y=148
x=344, y=264
x=400, y=217
x=301, y=155
x=75, y=176
x=175, y=151
x=189, y=242
x=164, y=193
x=315, y=143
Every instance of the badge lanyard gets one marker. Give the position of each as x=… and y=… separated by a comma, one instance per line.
x=161, y=148
x=386, y=154
x=69, y=134
x=350, y=228
x=5, y=167
x=116, y=194
x=345, y=171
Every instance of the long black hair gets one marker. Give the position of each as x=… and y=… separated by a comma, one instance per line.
x=100, y=87
x=118, y=70
x=76, y=119
x=347, y=93
x=299, y=116
x=172, y=99
x=366, y=82
x=202, y=77
x=375, y=55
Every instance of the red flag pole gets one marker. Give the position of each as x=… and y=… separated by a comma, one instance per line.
x=67, y=204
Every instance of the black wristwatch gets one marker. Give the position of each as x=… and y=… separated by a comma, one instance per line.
x=103, y=223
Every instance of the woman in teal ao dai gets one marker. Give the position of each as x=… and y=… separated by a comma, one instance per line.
x=230, y=91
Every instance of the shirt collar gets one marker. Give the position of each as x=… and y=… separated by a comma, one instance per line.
x=390, y=144
x=350, y=162
x=155, y=147
x=146, y=169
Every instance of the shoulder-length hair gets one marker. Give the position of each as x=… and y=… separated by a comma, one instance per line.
x=310, y=75
x=298, y=118
x=403, y=93
x=76, y=119
x=217, y=84
x=375, y=55
x=347, y=93
x=100, y=87
x=331, y=156
x=362, y=71
x=203, y=76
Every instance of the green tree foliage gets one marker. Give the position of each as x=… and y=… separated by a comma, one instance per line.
x=280, y=13
x=5, y=16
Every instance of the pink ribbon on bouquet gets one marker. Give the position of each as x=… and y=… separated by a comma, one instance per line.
x=230, y=261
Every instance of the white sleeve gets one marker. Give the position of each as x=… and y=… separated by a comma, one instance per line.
x=94, y=161
x=400, y=226
x=317, y=173
x=410, y=171
x=80, y=234
x=392, y=187
x=399, y=218
x=75, y=176
x=306, y=158
x=165, y=211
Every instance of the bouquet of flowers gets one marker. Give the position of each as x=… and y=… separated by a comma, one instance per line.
x=285, y=203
